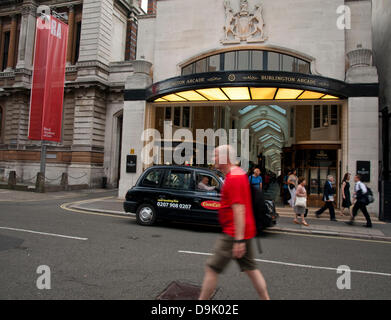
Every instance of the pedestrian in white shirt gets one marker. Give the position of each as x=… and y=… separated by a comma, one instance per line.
x=361, y=201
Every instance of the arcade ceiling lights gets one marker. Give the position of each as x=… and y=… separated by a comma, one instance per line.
x=244, y=94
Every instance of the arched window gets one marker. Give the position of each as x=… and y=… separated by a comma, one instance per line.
x=248, y=60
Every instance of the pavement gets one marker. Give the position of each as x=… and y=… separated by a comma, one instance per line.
x=98, y=255
x=321, y=226
x=103, y=201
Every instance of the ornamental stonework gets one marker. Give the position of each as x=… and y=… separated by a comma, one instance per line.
x=245, y=25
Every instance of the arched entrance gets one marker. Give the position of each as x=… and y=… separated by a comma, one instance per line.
x=294, y=119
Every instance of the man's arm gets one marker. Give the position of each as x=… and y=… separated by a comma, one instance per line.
x=326, y=191
x=239, y=211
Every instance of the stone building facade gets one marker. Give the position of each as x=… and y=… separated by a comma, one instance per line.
x=102, y=46
x=298, y=75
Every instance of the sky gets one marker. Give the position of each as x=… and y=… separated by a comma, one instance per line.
x=144, y=5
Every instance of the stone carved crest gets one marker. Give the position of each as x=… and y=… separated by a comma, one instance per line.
x=243, y=25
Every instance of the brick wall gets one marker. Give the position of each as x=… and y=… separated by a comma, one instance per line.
x=151, y=7
x=131, y=40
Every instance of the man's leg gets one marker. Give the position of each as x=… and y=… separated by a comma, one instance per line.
x=209, y=284
x=331, y=210
x=354, y=213
x=259, y=283
x=364, y=210
x=321, y=210
x=216, y=264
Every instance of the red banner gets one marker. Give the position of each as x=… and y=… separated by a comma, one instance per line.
x=47, y=92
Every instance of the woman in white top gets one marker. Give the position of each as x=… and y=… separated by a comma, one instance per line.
x=300, y=202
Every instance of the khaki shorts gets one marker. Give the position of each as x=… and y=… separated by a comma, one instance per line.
x=223, y=255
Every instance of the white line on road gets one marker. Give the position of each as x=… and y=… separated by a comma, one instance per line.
x=45, y=233
x=296, y=265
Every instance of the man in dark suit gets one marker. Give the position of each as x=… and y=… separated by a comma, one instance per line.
x=328, y=198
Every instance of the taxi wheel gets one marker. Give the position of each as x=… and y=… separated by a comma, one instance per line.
x=146, y=215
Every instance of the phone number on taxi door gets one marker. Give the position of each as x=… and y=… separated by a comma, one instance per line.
x=173, y=205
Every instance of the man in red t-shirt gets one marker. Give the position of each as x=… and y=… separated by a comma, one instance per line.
x=237, y=221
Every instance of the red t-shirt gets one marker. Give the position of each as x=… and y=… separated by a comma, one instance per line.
x=236, y=190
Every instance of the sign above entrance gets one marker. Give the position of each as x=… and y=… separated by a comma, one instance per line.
x=250, y=85
x=243, y=25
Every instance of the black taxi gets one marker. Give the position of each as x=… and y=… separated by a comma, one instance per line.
x=181, y=193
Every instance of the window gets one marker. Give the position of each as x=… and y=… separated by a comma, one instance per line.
x=152, y=179
x=248, y=60
x=186, y=117
x=229, y=61
x=178, y=180
x=334, y=115
x=167, y=114
x=246, y=109
x=273, y=60
x=244, y=60
x=279, y=109
x=257, y=60
x=188, y=70
x=288, y=63
x=77, y=42
x=324, y=116
x=177, y=116
x=200, y=66
x=214, y=63
x=206, y=183
x=6, y=41
x=316, y=116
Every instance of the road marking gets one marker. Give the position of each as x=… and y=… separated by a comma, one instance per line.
x=45, y=233
x=295, y=264
x=65, y=207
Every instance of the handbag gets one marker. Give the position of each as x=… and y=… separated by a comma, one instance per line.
x=301, y=202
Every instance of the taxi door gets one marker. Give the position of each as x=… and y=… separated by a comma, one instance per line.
x=207, y=197
x=175, y=196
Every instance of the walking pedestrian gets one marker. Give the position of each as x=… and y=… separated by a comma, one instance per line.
x=292, y=184
x=346, y=199
x=255, y=179
x=328, y=198
x=361, y=201
x=301, y=202
x=267, y=181
x=238, y=224
x=285, y=189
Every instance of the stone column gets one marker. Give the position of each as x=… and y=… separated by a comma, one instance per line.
x=26, y=37
x=363, y=121
x=97, y=24
x=134, y=124
x=71, y=25
x=12, y=44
